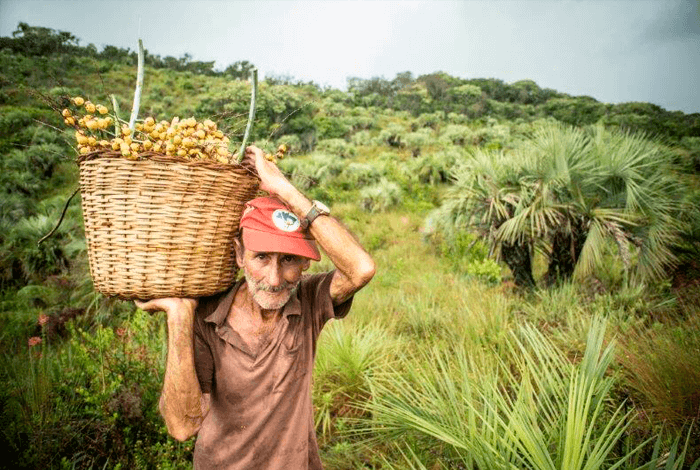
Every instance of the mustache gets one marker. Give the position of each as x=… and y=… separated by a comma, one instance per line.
x=261, y=285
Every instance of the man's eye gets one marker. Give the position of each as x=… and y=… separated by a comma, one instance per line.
x=289, y=259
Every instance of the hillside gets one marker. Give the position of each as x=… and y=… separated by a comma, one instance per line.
x=518, y=233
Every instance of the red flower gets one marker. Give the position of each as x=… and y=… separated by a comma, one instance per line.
x=33, y=341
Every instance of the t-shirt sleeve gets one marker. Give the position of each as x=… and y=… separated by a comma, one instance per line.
x=203, y=358
x=317, y=289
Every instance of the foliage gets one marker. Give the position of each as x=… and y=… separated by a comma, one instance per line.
x=566, y=192
x=381, y=196
x=546, y=414
x=437, y=317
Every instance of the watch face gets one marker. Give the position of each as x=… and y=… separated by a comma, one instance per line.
x=322, y=207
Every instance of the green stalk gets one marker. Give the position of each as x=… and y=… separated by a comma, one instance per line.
x=115, y=105
x=139, y=86
x=251, y=114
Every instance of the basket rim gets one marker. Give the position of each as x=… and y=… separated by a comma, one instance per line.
x=162, y=158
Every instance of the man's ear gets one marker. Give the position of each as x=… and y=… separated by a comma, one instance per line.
x=239, y=251
x=306, y=265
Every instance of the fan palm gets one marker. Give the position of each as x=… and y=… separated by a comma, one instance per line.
x=568, y=192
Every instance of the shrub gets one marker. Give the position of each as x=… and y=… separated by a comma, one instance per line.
x=415, y=141
x=381, y=196
x=457, y=134
x=392, y=135
x=361, y=138
x=356, y=175
x=337, y=147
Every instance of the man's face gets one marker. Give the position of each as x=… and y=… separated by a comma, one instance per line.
x=272, y=277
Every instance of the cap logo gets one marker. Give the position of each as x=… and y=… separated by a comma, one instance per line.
x=285, y=220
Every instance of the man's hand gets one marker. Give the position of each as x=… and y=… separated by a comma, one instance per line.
x=271, y=178
x=171, y=306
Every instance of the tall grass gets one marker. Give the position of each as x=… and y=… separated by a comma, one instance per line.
x=536, y=409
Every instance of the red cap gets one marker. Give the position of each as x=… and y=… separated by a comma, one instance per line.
x=271, y=227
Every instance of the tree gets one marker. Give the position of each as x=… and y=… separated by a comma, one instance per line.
x=239, y=70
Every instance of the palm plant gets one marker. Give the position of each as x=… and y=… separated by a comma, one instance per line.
x=568, y=192
x=486, y=194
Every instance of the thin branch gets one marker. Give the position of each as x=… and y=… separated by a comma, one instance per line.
x=63, y=214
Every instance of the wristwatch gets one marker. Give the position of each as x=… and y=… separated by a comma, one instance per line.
x=317, y=208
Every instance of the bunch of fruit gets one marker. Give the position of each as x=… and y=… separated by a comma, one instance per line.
x=186, y=138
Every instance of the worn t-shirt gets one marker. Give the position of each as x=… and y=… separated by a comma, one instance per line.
x=260, y=415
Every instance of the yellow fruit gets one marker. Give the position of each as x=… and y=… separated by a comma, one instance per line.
x=177, y=140
x=66, y=112
x=69, y=121
x=149, y=121
x=102, y=109
x=200, y=134
x=157, y=147
x=80, y=138
x=78, y=101
x=181, y=152
x=92, y=141
x=104, y=143
x=126, y=130
x=89, y=107
x=135, y=147
x=147, y=144
x=84, y=150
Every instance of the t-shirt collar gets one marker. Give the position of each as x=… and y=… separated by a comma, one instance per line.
x=218, y=316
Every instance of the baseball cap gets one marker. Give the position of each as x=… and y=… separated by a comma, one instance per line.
x=271, y=227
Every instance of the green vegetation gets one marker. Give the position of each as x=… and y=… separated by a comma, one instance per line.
x=536, y=299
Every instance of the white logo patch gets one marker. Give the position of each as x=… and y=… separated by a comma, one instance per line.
x=285, y=220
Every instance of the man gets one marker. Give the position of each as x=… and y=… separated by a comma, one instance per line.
x=239, y=364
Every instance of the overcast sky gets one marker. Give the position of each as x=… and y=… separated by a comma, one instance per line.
x=613, y=50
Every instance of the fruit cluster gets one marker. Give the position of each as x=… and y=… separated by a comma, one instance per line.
x=184, y=138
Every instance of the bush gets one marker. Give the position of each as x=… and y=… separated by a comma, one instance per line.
x=337, y=147
x=356, y=175
x=457, y=134
x=415, y=141
x=361, y=138
x=381, y=196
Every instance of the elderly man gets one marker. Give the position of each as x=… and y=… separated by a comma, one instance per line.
x=238, y=372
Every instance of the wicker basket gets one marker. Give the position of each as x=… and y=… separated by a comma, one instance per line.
x=161, y=227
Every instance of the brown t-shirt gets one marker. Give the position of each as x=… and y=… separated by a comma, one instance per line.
x=260, y=415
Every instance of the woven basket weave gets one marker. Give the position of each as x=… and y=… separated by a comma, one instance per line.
x=161, y=227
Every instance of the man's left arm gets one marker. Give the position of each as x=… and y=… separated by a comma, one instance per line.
x=354, y=266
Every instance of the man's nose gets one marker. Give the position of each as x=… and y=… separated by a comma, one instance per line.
x=274, y=276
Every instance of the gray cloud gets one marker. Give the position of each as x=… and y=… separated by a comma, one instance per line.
x=677, y=20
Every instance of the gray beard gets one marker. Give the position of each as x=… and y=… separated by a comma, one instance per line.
x=258, y=289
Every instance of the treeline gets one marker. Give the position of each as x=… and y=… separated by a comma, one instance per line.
x=475, y=98
x=490, y=97
x=33, y=41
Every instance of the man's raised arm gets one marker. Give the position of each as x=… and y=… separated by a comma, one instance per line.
x=355, y=267
x=182, y=404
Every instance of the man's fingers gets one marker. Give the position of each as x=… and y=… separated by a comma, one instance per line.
x=148, y=305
